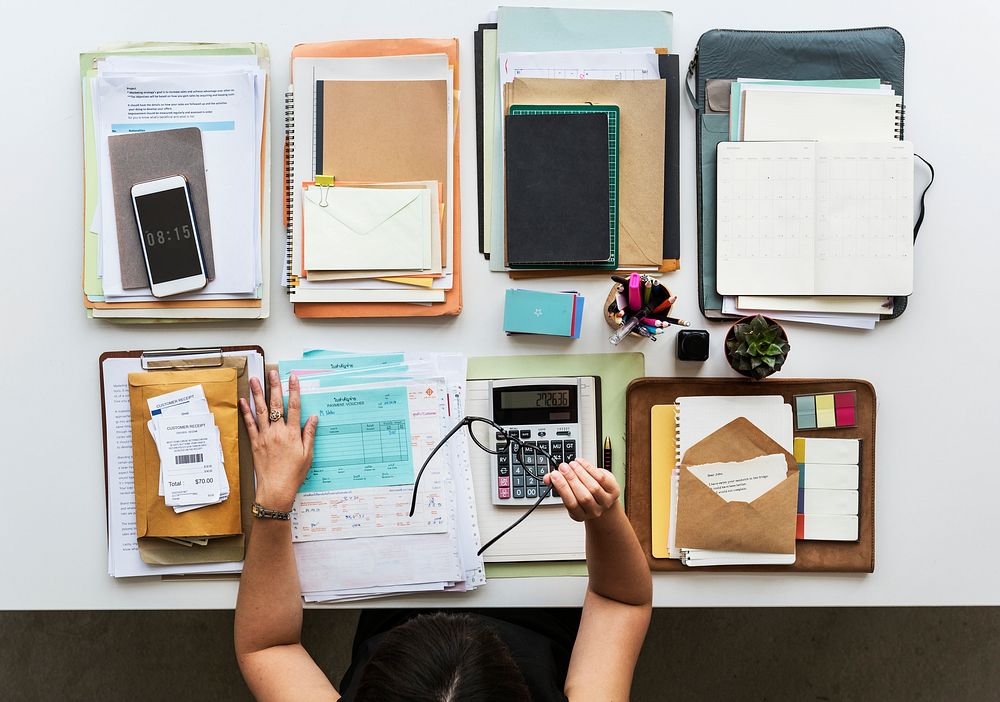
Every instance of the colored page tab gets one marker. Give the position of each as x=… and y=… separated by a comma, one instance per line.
x=825, y=415
x=828, y=476
x=805, y=411
x=845, y=404
x=838, y=451
x=827, y=527
x=818, y=501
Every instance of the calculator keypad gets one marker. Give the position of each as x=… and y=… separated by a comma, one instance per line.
x=519, y=480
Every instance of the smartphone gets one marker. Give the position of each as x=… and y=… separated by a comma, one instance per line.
x=169, y=236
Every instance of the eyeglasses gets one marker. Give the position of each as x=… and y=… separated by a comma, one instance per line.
x=505, y=440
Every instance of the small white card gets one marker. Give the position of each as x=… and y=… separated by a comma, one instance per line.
x=742, y=481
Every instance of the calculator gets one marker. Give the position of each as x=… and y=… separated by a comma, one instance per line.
x=542, y=412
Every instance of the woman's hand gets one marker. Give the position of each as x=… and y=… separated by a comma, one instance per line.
x=588, y=492
x=282, y=451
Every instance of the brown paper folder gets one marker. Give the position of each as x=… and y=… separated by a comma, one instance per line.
x=824, y=556
x=705, y=520
x=641, y=165
x=153, y=517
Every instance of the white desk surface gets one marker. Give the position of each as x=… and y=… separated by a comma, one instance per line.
x=934, y=369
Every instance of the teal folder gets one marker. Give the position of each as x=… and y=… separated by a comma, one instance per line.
x=549, y=313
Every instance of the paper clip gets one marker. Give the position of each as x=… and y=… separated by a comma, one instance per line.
x=325, y=182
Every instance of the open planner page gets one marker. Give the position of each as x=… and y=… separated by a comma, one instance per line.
x=815, y=218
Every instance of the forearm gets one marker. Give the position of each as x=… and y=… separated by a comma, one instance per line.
x=615, y=562
x=269, y=606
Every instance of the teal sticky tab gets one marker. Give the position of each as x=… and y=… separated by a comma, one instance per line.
x=805, y=411
x=537, y=312
x=802, y=475
x=362, y=439
x=570, y=29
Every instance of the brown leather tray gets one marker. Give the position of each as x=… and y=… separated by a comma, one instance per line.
x=816, y=556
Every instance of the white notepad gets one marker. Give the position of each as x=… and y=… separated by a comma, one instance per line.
x=785, y=115
x=815, y=218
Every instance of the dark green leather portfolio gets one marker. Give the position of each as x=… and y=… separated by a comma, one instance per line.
x=724, y=55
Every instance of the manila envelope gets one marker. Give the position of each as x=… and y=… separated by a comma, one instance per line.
x=157, y=551
x=367, y=229
x=642, y=141
x=705, y=520
x=153, y=517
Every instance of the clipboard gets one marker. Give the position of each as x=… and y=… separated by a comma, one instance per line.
x=811, y=556
x=158, y=551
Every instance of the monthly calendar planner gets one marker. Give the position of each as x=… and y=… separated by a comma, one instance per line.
x=815, y=218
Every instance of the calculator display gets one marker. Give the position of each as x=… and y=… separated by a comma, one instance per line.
x=535, y=404
x=533, y=399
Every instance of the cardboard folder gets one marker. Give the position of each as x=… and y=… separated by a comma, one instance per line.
x=705, y=520
x=153, y=517
x=396, y=47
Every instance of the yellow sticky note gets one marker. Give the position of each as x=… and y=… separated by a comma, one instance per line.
x=800, y=450
x=825, y=413
x=663, y=457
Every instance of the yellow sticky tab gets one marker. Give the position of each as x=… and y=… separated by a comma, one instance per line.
x=325, y=180
x=800, y=450
x=825, y=416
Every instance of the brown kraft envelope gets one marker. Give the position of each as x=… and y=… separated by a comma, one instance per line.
x=156, y=551
x=153, y=517
x=705, y=520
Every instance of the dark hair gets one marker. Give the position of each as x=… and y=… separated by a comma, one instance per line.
x=442, y=658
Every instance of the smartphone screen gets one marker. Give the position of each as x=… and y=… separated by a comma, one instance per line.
x=168, y=235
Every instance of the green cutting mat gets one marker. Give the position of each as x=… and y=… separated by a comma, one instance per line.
x=616, y=371
x=614, y=121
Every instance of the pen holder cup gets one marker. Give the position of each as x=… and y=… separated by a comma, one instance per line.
x=616, y=322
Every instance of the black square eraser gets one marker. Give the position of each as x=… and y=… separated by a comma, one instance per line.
x=692, y=345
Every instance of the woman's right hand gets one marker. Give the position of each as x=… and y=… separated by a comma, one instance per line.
x=587, y=492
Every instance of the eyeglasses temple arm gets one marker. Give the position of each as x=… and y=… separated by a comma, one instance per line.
x=416, y=482
x=548, y=491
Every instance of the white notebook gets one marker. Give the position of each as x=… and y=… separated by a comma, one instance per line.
x=783, y=115
x=815, y=218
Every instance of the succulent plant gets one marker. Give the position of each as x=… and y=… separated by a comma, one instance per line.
x=757, y=348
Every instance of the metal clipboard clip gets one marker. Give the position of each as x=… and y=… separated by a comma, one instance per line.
x=165, y=359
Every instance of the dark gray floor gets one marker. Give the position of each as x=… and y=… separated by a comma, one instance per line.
x=690, y=654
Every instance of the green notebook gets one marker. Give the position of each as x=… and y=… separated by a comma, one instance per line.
x=554, y=194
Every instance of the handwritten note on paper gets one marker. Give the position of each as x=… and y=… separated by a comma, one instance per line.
x=742, y=481
x=362, y=440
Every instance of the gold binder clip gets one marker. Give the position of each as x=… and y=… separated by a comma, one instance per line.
x=325, y=182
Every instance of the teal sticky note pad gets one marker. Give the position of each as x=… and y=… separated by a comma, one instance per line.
x=805, y=411
x=536, y=312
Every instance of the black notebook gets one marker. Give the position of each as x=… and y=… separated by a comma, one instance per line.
x=561, y=186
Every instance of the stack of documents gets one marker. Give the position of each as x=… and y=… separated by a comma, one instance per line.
x=734, y=487
x=379, y=418
x=815, y=201
x=576, y=128
x=146, y=391
x=157, y=110
x=371, y=179
x=192, y=467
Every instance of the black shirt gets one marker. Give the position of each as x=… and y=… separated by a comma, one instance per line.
x=540, y=642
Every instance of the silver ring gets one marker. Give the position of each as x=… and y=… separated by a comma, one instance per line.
x=274, y=415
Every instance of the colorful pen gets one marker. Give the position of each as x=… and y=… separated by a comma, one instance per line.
x=607, y=453
x=622, y=301
x=655, y=322
x=679, y=322
x=624, y=330
x=665, y=304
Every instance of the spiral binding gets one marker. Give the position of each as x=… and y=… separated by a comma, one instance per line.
x=290, y=280
x=677, y=437
x=900, y=120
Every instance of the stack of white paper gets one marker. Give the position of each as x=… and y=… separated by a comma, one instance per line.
x=815, y=227
x=192, y=472
x=379, y=418
x=220, y=90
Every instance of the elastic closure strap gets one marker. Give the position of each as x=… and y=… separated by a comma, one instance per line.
x=923, y=195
